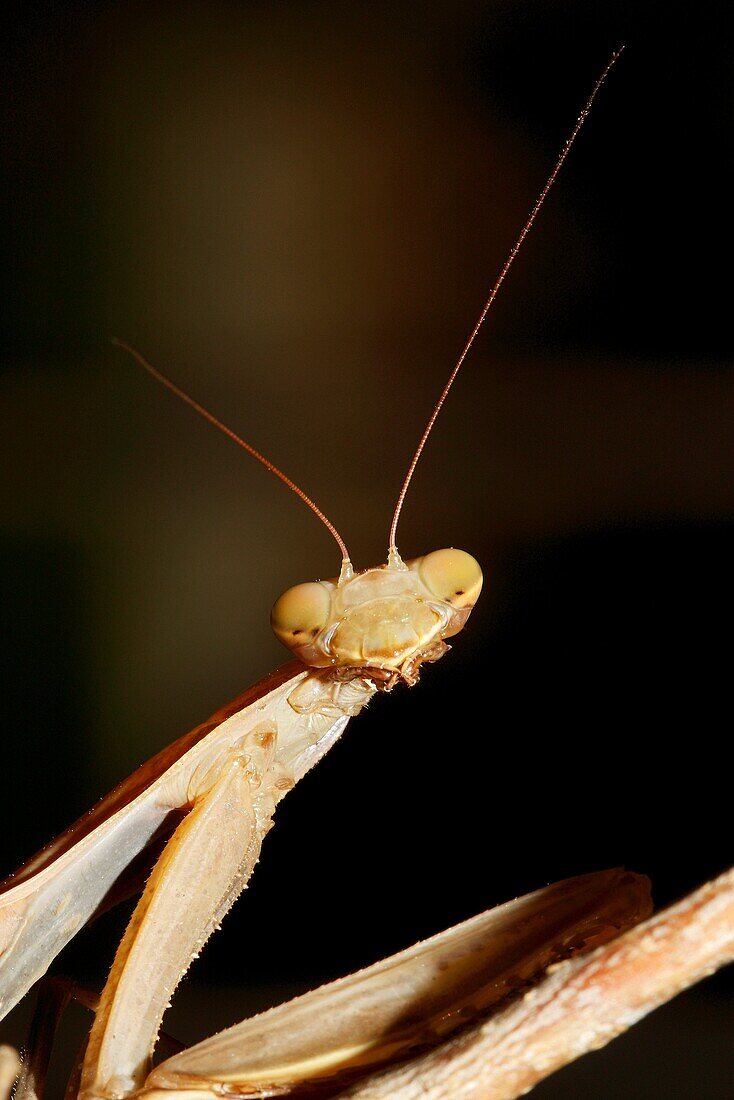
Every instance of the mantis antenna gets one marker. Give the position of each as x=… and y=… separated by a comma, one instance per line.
x=487, y=305
x=160, y=377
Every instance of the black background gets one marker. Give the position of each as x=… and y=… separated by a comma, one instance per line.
x=297, y=210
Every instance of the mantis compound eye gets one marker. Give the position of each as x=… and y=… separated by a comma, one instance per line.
x=300, y=614
x=452, y=576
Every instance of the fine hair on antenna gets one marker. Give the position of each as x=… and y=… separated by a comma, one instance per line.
x=160, y=377
x=493, y=294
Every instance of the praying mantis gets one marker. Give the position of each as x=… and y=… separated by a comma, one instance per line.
x=211, y=797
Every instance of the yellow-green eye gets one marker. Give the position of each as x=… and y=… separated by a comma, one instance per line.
x=453, y=576
x=300, y=613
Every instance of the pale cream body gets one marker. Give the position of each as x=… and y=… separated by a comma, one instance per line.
x=228, y=783
x=211, y=855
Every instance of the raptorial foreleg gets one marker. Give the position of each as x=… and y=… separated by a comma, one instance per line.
x=9, y=1068
x=201, y=871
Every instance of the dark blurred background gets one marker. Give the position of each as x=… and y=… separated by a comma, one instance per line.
x=297, y=210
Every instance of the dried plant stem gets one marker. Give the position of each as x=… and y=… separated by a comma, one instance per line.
x=579, y=1006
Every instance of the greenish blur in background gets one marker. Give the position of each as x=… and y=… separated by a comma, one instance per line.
x=297, y=210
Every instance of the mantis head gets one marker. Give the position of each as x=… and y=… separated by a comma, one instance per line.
x=385, y=621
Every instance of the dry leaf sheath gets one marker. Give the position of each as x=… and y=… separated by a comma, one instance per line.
x=580, y=1006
